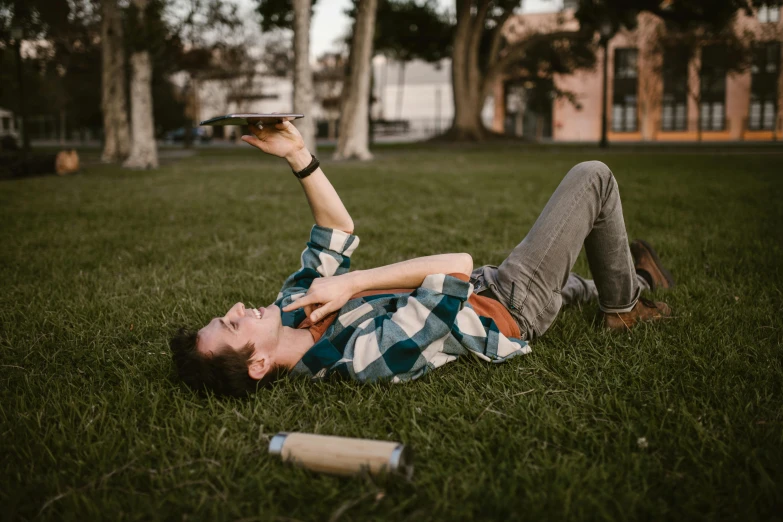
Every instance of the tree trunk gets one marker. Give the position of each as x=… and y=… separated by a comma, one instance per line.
x=467, y=125
x=144, y=150
x=400, y=89
x=468, y=89
x=116, y=143
x=303, y=75
x=353, y=137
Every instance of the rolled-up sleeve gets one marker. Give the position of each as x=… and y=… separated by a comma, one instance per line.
x=328, y=253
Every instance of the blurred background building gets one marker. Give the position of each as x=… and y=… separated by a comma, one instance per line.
x=658, y=90
x=411, y=100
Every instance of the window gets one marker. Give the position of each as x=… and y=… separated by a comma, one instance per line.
x=712, y=112
x=769, y=14
x=6, y=123
x=674, y=110
x=624, y=99
x=764, y=86
x=528, y=111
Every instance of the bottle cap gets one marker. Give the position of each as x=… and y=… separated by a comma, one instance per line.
x=276, y=444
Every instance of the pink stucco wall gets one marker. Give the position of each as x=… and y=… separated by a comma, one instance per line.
x=583, y=122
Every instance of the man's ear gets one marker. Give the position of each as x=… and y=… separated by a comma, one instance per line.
x=257, y=369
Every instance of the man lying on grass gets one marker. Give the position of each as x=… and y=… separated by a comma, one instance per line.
x=398, y=322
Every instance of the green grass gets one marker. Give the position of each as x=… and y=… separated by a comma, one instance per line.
x=98, y=268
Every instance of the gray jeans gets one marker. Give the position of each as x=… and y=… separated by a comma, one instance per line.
x=536, y=280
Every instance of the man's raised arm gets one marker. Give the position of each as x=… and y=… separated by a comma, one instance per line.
x=329, y=294
x=283, y=140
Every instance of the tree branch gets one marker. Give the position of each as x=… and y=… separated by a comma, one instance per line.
x=497, y=38
x=481, y=17
x=461, y=7
x=474, y=43
x=518, y=50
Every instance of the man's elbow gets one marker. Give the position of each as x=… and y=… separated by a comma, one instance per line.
x=347, y=227
x=465, y=263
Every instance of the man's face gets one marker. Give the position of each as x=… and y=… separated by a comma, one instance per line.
x=260, y=327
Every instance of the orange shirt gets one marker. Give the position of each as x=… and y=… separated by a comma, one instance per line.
x=483, y=306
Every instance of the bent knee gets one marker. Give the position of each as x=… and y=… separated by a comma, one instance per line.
x=592, y=170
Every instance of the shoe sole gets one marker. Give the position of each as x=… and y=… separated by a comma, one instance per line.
x=666, y=274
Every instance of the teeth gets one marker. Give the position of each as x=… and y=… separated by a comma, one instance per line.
x=257, y=313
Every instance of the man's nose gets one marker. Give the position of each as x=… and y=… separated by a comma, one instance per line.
x=238, y=310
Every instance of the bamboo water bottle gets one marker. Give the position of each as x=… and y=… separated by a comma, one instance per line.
x=342, y=455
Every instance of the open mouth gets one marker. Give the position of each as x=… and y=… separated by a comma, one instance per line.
x=258, y=312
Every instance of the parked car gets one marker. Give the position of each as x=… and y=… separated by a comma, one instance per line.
x=198, y=134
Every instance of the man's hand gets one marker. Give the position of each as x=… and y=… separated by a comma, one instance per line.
x=326, y=295
x=282, y=140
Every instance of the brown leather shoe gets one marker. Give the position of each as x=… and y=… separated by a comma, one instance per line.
x=649, y=266
x=645, y=310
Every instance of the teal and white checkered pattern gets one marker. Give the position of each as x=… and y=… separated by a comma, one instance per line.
x=396, y=337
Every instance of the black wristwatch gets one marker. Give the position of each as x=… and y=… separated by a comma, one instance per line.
x=314, y=164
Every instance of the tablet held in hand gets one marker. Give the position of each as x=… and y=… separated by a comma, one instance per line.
x=252, y=119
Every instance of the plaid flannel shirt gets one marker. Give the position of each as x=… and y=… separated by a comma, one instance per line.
x=396, y=337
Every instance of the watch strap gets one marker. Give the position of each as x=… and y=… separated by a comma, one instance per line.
x=309, y=169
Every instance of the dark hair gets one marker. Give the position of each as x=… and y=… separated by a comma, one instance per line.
x=224, y=372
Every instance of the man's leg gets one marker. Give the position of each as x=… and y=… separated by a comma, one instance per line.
x=585, y=209
x=580, y=290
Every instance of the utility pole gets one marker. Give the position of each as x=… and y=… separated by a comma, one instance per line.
x=605, y=44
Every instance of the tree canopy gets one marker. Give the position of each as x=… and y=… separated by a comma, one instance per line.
x=276, y=14
x=681, y=14
x=408, y=30
x=404, y=29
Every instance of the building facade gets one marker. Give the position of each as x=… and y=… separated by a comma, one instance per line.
x=8, y=126
x=656, y=92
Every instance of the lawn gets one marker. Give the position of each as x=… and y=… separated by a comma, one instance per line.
x=681, y=420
